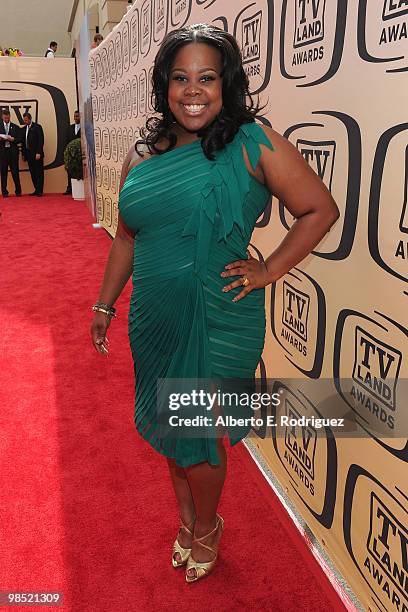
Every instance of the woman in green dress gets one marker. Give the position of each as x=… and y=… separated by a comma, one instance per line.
x=187, y=208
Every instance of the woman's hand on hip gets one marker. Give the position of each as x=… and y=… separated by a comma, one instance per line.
x=99, y=328
x=253, y=275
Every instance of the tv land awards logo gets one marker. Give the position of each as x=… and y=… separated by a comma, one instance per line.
x=102, y=108
x=123, y=100
x=134, y=37
x=251, y=38
x=118, y=104
x=98, y=174
x=160, y=20
x=114, y=145
x=106, y=148
x=99, y=72
x=382, y=33
x=295, y=315
x=112, y=61
x=108, y=104
x=118, y=54
x=205, y=3
x=128, y=99
x=300, y=450
x=180, y=12
x=113, y=104
x=376, y=369
x=309, y=23
x=146, y=27
x=388, y=208
x=18, y=107
x=368, y=372
x=308, y=455
x=126, y=46
x=92, y=73
x=394, y=8
x=105, y=67
x=142, y=92
x=105, y=178
x=99, y=207
x=252, y=28
x=134, y=96
x=376, y=536
x=95, y=107
x=149, y=90
x=98, y=142
x=320, y=155
x=337, y=136
x=120, y=144
x=112, y=180
x=108, y=206
x=31, y=97
x=298, y=320
x=311, y=40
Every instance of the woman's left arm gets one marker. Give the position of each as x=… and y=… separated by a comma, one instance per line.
x=288, y=177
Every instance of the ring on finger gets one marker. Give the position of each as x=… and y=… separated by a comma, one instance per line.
x=245, y=281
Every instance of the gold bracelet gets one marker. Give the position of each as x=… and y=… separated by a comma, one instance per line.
x=109, y=313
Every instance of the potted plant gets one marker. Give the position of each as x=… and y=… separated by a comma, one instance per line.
x=73, y=165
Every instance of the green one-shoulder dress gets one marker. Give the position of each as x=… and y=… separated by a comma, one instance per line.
x=192, y=216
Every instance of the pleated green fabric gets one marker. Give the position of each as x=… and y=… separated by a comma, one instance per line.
x=192, y=216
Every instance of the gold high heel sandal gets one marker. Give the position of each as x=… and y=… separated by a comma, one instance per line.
x=202, y=569
x=183, y=552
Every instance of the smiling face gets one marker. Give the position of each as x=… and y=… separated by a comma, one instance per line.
x=195, y=86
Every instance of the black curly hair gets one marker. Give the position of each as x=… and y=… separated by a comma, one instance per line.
x=238, y=104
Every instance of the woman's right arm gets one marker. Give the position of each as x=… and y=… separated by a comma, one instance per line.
x=118, y=268
x=119, y=265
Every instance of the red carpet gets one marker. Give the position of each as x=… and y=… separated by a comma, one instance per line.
x=87, y=507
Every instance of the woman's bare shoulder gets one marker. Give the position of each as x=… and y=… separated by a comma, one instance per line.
x=132, y=159
x=273, y=136
x=135, y=158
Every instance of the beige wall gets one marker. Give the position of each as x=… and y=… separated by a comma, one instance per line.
x=102, y=13
x=30, y=26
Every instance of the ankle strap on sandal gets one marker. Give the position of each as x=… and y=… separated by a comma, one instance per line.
x=199, y=540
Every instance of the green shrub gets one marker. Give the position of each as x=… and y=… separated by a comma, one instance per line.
x=73, y=159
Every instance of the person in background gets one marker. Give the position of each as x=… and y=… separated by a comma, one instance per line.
x=98, y=38
x=74, y=131
x=33, y=152
x=52, y=49
x=9, y=153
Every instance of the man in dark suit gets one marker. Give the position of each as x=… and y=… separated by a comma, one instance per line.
x=73, y=131
x=33, y=152
x=9, y=153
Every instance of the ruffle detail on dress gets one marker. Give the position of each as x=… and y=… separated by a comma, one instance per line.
x=224, y=193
